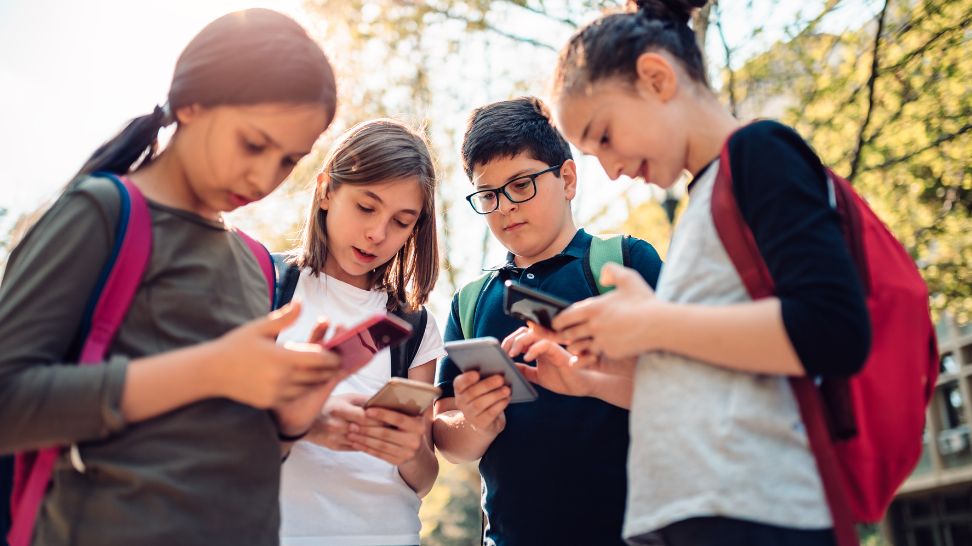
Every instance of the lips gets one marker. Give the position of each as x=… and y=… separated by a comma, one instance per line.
x=363, y=256
x=238, y=200
x=514, y=226
x=643, y=171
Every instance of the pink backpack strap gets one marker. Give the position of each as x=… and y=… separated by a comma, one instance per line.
x=112, y=298
x=741, y=247
x=262, y=256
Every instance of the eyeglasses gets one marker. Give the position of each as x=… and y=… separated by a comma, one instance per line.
x=519, y=190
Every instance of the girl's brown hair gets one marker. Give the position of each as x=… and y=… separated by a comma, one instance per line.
x=610, y=46
x=369, y=153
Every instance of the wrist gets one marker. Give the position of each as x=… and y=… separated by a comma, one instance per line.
x=654, y=336
x=290, y=431
x=490, y=431
x=213, y=380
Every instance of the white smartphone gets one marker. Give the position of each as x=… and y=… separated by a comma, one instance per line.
x=485, y=355
x=405, y=395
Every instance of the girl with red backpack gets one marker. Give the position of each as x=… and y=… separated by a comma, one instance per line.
x=719, y=444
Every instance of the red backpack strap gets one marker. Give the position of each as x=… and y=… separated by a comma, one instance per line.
x=262, y=256
x=112, y=298
x=741, y=247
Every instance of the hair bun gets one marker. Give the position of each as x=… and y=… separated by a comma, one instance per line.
x=679, y=11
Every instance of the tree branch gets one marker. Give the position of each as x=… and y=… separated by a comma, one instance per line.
x=537, y=11
x=872, y=80
x=728, y=52
x=934, y=144
x=483, y=24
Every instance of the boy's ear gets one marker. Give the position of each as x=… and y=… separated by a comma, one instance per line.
x=656, y=76
x=326, y=194
x=568, y=173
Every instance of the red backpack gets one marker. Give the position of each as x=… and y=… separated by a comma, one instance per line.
x=109, y=304
x=865, y=431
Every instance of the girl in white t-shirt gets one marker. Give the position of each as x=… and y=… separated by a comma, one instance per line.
x=369, y=245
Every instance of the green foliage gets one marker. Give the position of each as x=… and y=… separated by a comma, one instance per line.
x=899, y=127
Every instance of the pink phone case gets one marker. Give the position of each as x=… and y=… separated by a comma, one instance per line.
x=359, y=345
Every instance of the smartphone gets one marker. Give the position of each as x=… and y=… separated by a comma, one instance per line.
x=358, y=345
x=485, y=355
x=404, y=395
x=528, y=304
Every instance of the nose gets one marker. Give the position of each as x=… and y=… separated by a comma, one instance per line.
x=612, y=168
x=377, y=231
x=505, y=205
x=263, y=178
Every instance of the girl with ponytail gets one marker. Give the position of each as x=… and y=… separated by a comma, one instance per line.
x=718, y=450
x=176, y=436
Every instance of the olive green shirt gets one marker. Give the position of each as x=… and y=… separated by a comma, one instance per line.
x=206, y=473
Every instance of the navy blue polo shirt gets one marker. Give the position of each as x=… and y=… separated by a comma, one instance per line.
x=557, y=472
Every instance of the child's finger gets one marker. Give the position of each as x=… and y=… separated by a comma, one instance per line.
x=540, y=348
x=529, y=372
x=573, y=315
x=396, y=419
x=518, y=344
x=465, y=380
x=510, y=339
x=275, y=322
x=319, y=331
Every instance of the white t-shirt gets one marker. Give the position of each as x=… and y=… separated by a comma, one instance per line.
x=347, y=498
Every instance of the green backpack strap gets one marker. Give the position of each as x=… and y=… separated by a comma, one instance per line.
x=604, y=249
x=468, y=298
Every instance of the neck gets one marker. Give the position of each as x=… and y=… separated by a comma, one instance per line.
x=712, y=126
x=333, y=269
x=165, y=181
x=560, y=242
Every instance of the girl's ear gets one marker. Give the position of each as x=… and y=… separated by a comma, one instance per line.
x=326, y=194
x=568, y=173
x=656, y=76
x=186, y=114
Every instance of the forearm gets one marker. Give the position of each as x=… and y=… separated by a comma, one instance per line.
x=161, y=383
x=613, y=389
x=420, y=472
x=748, y=337
x=458, y=441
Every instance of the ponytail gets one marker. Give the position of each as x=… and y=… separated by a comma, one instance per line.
x=133, y=146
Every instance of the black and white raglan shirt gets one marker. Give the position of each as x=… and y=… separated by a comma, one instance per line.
x=710, y=441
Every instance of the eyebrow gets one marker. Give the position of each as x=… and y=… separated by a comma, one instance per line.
x=276, y=144
x=374, y=196
x=518, y=174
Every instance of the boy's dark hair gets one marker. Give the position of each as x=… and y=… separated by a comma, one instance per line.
x=610, y=46
x=510, y=127
x=248, y=57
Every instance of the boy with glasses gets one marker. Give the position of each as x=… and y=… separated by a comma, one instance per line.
x=553, y=470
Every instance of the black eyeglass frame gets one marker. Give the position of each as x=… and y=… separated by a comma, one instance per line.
x=502, y=189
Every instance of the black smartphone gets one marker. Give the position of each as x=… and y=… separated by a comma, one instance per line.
x=529, y=304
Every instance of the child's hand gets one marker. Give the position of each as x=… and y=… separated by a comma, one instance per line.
x=616, y=325
x=331, y=427
x=395, y=439
x=297, y=416
x=482, y=402
x=248, y=366
x=553, y=371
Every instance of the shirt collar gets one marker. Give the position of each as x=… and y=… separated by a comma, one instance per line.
x=576, y=248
